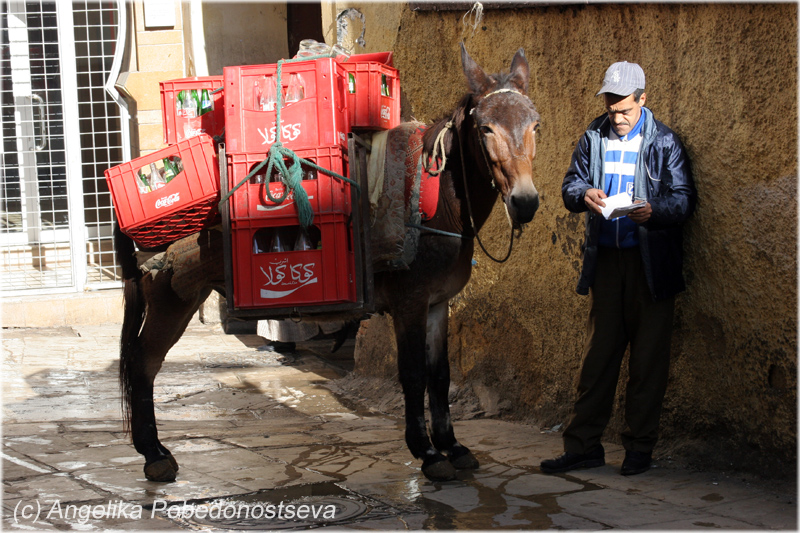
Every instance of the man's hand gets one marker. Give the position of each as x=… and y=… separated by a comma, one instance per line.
x=642, y=215
x=594, y=200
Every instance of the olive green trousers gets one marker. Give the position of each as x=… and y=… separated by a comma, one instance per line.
x=622, y=313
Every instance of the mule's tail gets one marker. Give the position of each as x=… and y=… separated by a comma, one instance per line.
x=133, y=317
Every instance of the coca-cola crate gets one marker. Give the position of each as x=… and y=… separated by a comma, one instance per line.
x=319, y=118
x=387, y=58
x=184, y=205
x=323, y=274
x=373, y=95
x=326, y=193
x=178, y=126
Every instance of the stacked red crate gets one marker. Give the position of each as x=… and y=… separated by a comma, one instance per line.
x=272, y=267
x=373, y=94
x=181, y=122
x=314, y=112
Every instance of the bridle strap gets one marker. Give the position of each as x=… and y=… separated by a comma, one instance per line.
x=469, y=203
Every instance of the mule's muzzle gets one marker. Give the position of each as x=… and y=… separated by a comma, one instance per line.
x=523, y=207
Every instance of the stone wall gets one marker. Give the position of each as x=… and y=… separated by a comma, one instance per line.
x=724, y=77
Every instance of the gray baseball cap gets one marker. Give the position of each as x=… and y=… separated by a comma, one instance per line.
x=622, y=78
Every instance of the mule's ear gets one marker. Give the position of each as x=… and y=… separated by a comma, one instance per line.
x=520, y=72
x=477, y=79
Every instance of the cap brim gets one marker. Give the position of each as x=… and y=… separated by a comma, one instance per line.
x=618, y=90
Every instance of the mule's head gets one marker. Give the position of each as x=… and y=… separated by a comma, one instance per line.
x=506, y=121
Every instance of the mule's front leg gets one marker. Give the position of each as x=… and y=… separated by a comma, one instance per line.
x=410, y=333
x=438, y=367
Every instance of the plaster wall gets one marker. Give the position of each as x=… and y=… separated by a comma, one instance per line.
x=724, y=77
x=243, y=33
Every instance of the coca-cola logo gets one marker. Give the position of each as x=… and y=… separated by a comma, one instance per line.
x=289, y=132
x=168, y=200
x=284, y=278
x=386, y=112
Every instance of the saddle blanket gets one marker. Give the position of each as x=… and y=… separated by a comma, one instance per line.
x=400, y=191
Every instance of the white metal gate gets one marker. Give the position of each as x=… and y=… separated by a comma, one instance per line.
x=63, y=124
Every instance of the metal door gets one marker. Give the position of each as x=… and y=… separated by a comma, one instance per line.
x=61, y=128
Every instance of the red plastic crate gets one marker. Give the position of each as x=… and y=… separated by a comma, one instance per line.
x=319, y=119
x=367, y=105
x=177, y=128
x=326, y=194
x=320, y=276
x=188, y=203
x=387, y=58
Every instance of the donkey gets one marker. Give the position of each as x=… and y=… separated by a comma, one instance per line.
x=488, y=143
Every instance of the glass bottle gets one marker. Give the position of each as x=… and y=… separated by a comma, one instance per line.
x=170, y=171
x=302, y=242
x=384, y=86
x=206, y=102
x=295, y=91
x=141, y=182
x=278, y=242
x=266, y=93
x=156, y=179
x=188, y=104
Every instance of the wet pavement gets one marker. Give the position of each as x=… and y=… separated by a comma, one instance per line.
x=263, y=444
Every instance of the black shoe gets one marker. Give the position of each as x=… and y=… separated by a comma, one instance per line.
x=571, y=461
x=280, y=347
x=636, y=463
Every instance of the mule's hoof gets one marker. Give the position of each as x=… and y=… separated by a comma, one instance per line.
x=162, y=470
x=464, y=461
x=173, y=462
x=439, y=471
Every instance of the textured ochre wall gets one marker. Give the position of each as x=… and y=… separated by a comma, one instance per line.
x=724, y=77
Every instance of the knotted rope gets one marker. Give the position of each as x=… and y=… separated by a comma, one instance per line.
x=292, y=175
x=439, y=150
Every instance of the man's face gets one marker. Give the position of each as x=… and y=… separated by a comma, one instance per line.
x=623, y=111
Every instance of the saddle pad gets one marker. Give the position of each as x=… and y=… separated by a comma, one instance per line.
x=400, y=191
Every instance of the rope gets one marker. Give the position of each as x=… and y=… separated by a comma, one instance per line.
x=472, y=18
x=292, y=175
x=437, y=231
x=438, y=149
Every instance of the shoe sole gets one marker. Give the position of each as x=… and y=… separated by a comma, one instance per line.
x=589, y=463
x=634, y=471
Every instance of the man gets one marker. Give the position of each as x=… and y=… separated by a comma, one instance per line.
x=631, y=269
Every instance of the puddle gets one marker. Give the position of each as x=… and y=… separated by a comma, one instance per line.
x=300, y=507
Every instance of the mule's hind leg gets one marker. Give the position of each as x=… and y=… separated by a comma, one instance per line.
x=438, y=366
x=410, y=333
x=165, y=321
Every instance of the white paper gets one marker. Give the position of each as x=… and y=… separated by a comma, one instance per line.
x=619, y=205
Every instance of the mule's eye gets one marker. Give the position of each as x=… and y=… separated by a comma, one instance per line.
x=536, y=128
x=486, y=130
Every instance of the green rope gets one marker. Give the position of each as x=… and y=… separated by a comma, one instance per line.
x=292, y=175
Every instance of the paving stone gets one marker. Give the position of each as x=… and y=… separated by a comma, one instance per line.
x=617, y=509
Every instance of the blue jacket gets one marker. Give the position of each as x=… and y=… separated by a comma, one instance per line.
x=663, y=176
